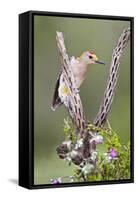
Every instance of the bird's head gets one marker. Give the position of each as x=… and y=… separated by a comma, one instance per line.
x=89, y=57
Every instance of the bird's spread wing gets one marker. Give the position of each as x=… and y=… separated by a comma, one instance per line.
x=68, y=91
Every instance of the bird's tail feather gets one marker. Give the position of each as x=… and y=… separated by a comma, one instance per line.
x=56, y=104
x=56, y=99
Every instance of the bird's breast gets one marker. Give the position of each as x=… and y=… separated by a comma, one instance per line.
x=79, y=70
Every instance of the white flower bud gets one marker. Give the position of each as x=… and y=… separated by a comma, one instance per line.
x=97, y=138
x=87, y=169
x=94, y=155
x=73, y=153
x=79, y=143
x=68, y=143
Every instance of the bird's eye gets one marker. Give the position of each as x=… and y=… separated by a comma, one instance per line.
x=90, y=57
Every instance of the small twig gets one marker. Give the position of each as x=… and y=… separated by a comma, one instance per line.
x=108, y=124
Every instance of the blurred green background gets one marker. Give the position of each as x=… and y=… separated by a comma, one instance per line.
x=80, y=35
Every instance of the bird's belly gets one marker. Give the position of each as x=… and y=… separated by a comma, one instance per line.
x=79, y=77
x=79, y=81
x=79, y=70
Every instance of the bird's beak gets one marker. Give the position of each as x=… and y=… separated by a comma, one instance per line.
x=100, y=62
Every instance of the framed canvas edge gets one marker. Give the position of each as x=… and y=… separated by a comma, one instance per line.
x=30, y=63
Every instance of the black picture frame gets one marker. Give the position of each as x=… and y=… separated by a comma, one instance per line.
x=26, y=98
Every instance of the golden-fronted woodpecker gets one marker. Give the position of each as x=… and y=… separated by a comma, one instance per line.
x=79, y=67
